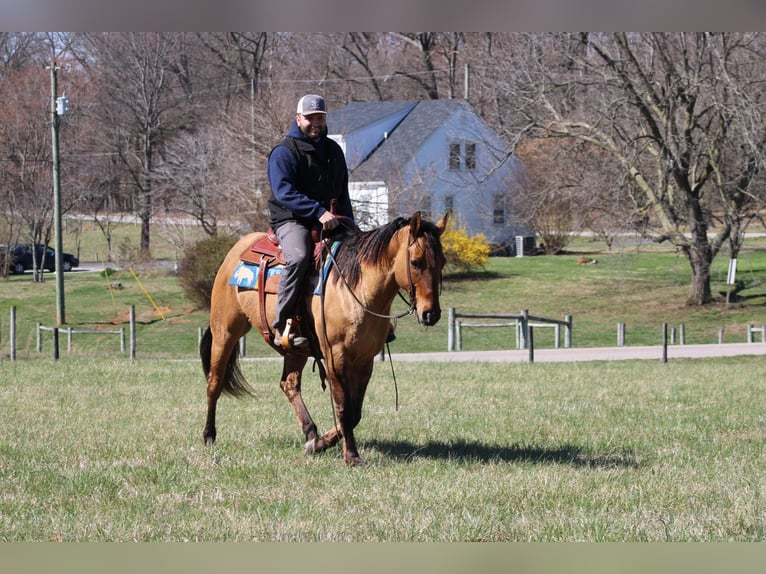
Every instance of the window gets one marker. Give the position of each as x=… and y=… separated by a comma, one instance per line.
x=462, y=155
x=498, y=213
x=454, y=156
x=470, y=156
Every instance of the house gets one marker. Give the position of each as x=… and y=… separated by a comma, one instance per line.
x=433, y=156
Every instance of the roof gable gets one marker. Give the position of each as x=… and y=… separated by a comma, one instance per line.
x=396, y=142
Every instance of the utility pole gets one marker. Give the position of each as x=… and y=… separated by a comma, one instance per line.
x=58, y=107
x=467, y=83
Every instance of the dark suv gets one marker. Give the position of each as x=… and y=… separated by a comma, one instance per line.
x=21, y=258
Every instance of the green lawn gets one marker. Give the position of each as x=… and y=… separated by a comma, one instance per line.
x=641, y=288
x=111, y=450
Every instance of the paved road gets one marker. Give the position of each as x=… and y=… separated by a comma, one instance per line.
x=590, y=354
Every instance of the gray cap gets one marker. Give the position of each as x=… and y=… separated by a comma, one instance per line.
x=311, y=104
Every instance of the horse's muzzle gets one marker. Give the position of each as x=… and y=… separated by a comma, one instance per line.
x=431, y=317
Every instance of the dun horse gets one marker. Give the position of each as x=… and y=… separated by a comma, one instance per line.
x=351, y=320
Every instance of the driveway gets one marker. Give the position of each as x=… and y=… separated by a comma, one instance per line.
x=590, y=354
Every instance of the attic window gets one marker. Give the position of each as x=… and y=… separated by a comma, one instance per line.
x=462, y=155
x=454, y=156
x=470, y=156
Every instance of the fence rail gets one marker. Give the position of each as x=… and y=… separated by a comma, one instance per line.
x=70, y=332
x=521, y=322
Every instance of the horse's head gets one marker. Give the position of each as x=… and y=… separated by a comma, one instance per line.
x=424, y=263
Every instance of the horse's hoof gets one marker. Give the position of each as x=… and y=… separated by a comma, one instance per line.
x=310, y=446
x=209, y=440
x=354, y=461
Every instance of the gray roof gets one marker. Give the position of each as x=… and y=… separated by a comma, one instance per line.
x=421, y=119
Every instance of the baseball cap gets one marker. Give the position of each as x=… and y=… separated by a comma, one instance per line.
x=311, y=104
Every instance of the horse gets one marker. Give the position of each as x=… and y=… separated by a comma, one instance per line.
x=351, y=320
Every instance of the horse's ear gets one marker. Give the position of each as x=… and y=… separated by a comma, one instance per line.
x=441, y=225
x=415, y=224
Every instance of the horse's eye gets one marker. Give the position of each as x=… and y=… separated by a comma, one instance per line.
x=416, y=263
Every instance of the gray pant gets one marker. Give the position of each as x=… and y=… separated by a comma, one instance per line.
x=298, y=248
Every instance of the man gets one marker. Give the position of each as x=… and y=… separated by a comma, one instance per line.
x=307, y=171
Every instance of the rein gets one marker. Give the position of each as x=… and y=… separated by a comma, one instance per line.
x=412, y=306
x=412, y=302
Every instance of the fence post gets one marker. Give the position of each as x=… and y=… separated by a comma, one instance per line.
x=749, y=333
x=620, y=334
x=69, y=339
x=525, y=329
x=243, y=346
x=122, y=340
x=39, y=338
x=682, y=330
x=56, y=343
x=451, y=330
x=568, y=332
x=132, y=331
x=13, y=332
x=531, y=343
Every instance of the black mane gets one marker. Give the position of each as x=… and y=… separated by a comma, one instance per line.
x=371, y=248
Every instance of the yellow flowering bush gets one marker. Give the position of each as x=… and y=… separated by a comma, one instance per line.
x=464, y=253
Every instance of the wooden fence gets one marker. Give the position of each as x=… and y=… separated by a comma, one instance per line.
x=521, y=324
x=71, y=332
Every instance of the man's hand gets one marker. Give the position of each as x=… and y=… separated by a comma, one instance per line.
x=328, y=221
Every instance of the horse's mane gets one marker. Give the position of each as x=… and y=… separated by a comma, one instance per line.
x=371, y=248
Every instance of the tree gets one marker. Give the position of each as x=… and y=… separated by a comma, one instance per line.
x=26, y=153
x=144, y=87
x=679, y=114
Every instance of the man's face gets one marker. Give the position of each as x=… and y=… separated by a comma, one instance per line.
x=312, y=125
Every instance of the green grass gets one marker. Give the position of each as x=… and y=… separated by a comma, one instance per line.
x=111, y=450
x=642, y=289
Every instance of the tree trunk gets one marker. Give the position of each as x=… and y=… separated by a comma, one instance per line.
x=700, y=259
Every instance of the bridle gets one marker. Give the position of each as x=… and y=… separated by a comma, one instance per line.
x=412, y=303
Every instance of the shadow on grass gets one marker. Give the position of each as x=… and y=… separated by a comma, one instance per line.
x=472, y=452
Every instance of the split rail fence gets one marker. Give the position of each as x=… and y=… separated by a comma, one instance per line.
x=522, y=323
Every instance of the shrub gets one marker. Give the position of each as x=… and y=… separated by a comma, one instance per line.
x=464, y=254
x=197, y=269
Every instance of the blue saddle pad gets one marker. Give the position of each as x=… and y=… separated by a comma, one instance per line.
x=245, y=275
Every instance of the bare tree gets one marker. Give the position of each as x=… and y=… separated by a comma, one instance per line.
x=144, y=100
x=678, y=113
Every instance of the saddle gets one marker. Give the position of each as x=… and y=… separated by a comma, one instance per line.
x=266, y=253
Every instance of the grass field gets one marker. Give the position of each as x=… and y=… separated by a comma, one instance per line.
x=641, y=287
x=98, y=447
x=111, y=450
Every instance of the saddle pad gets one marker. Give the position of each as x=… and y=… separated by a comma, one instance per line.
x=245, y=274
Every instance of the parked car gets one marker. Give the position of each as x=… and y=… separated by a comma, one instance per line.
x=21, y=258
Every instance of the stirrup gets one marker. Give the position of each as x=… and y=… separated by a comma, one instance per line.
x=287, y=340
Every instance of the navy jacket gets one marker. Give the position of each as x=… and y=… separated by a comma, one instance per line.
x=306, y=178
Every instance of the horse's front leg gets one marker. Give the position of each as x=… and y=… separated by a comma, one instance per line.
x=348, y=392
x=291, y=386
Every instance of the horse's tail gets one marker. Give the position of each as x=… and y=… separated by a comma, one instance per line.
x=234, y=382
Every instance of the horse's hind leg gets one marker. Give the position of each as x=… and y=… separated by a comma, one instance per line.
x=220, y=356
x=291, y=385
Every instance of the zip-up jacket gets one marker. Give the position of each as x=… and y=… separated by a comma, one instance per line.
x=305, y=177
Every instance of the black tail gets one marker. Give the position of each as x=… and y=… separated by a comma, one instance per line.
x=234, y=382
